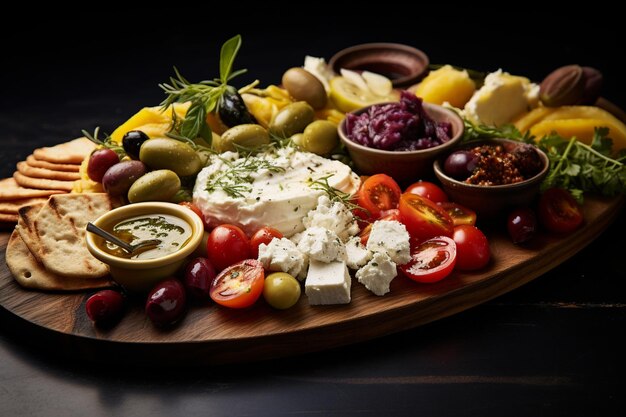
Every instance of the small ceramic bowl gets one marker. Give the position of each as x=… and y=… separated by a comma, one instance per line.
x=402, y=64
x=489, y=201
x=403, y=166
x=140, y=275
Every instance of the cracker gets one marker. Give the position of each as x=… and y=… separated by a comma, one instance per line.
x=31, y=274
x=35, y=172
x=34, y=162
x=12, y=206
x=60, y=227
x=8, y=218
x=41, y=183
x=72, y=152
x=10, y=190
x=26, y=228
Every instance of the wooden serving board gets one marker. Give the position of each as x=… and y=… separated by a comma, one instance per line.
x=213, y=334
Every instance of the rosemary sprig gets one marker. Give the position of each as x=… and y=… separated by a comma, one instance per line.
x=106, y=142
x=334, y=194
x=237, y=179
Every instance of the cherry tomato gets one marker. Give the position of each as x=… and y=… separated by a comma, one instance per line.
x=472, y=248
x=521, y=225
x=227, y=245
x=432, y=260
x=378, y=193
x=423, y=218
x=459, y=214
x=393, y=214
x=428, y=190
x=263, y=235
x=559, y=212
x=191, y=206
x=99, y=162
x=239, y=285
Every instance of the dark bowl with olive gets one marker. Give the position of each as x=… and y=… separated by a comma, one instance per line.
x=490, y=176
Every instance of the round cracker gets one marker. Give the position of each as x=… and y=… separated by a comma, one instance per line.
x=31, y=274
x=10, y=190
x=72, y=152
x=45, y=173
x=42, y=183
x=12, y=206
x=34, y=162
x=8, y=218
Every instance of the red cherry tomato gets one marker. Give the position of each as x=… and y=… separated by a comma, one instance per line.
x=459, y=214
x=472, y=248
x=239, y=285
x=423, y=218
x=191, y=206
x=263, y=235
x=428, y=190
x=559, y=212
x=378, y=193
x=227, y=245
x=432, y=260
x=393, y=214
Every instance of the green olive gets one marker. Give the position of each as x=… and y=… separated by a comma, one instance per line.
x=247, y=136
x=304, y=86
x=165, y=153
x=281, y=290
x=297, y=139
x=160, y=185
x=320, y=137
x=292, y=119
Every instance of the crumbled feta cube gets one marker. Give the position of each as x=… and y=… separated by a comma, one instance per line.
x=283, y=255
x=378, y=273
x=333, y=216
x=322, y=245
x=357, y=255
x=392, y=238
x=328, y=283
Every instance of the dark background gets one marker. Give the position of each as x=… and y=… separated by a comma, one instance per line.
x=553, y=347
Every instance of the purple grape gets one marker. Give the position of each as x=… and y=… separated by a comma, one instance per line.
x=166, y=302
x=105, y=307
x=460, y=164
x=199, y=274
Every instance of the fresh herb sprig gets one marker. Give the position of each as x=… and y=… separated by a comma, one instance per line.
x=237, y=178
x=106, y=142
x=205, y=95
x=334, y=194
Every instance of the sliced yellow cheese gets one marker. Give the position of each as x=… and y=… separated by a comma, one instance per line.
x=582, y=129
x=153, y=121
x=528, y=120
x=446, y=85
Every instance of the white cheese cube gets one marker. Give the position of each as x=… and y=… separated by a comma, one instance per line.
x=333, y=216
x=378, y=273
x=392, y=238
x=357, y=255
x=283, y=255
x=322, y=245
x=327, y=283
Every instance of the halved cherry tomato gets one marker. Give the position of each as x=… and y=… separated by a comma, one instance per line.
x=432, y=260
x=263, y=235
x=378, y=193
x=191, y=206
x=428, y=190
x=423, y=218
x=227, y=245
x=393, y=214
x=239, y=285
x=472, y=248
x=559, y=212
x=459, y=214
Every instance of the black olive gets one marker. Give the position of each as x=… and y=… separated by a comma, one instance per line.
x=132, y=141
x=233, y=110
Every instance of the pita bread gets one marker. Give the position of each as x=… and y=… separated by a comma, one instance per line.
x=72, y=152
x=34, y=172
x=26, y=228
x=12, y=206
x=10, y=190
x=8, y=218
x=36, y=163
x=31, y=274
x=41, y=183
x=60, y=227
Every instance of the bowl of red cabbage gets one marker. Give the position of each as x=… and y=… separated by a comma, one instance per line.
x=400, y=139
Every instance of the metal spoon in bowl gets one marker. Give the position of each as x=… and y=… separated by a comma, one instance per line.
x=113, y=239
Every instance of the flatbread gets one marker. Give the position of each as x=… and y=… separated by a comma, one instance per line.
x=31, y=274
x=10, y=190
x=35, y=172
x=41, y=183
x=26, y=228
x=12, y=206
x=72, y=152
x=60, y=226
x=36, y=163
x=8, y=218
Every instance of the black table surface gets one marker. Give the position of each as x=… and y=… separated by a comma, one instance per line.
x=552, y=347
